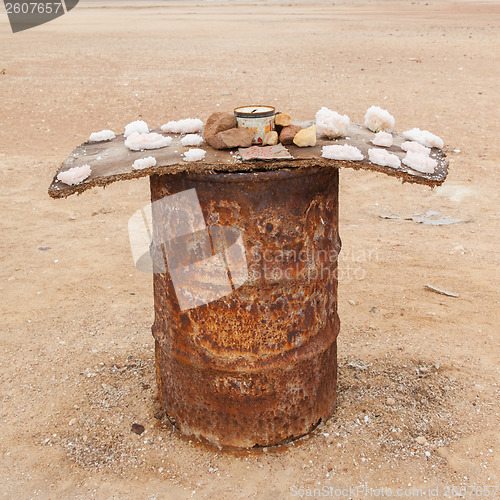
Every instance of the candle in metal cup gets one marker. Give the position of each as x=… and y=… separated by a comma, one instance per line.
x=259, y=119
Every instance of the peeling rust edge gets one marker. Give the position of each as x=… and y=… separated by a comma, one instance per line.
x=247, y=167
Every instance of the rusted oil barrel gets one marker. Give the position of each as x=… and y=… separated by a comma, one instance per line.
x=257, y=366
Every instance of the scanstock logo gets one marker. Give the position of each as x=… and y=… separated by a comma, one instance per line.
x=25, y=14
x=204, y=263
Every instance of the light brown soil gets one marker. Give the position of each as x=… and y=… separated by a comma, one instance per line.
x=77, y=353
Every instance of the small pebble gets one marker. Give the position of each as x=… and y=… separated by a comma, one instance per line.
x=137, y=428
x=421, y=440
x=391, y=401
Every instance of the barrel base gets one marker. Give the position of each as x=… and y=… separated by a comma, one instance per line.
x=236, y=409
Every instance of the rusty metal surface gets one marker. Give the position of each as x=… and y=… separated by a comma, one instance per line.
x=258, y=366
x=112, y=161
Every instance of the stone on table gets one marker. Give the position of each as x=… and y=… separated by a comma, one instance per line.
x=270, y=139
x=288, y=133
x=306, y=137
x=282, y=119
x=216, y=123
x=232, y=138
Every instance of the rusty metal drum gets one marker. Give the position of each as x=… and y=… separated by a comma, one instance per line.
x=257, y=366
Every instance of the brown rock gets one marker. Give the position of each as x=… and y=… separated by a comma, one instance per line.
x=283, y=119
x=137, y=428
x=218, y=122
x=288, y=133
x=232, y=138
x=270, y=139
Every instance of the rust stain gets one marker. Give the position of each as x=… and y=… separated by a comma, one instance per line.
x=258, y=366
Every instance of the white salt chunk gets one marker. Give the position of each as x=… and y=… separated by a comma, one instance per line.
x=136, y=142
x=186, y=126
x=138, y=126
x=420, y=162
x=192, y=140
x=424, y=137
x=75, y=175
x=383, y=158
x=379, y=120
x=383, y=139
x=345, y=152
x=415, y=146
x=331, y=124
x=103, y=135
x=194, y=155
x=144, y=163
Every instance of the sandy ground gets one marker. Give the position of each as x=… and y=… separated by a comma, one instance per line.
x=77, y=363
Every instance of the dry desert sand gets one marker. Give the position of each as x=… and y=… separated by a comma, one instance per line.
x=77, y=365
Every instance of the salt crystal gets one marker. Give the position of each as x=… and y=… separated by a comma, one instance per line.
x=424, y=137
x=415, y=146
x=75, y=175
x=186, y=126
x=136, y=141
x=382, y=139
x=345, y=152
x=194, y=155
x=420, y=162
x=379, y=120
x=383, y=158
x=103, y=135
x=144, y=163
x=331, y=124
x=138, y=126
x=192, y=140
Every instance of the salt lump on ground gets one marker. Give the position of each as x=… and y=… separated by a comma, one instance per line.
x=345, y=152
x=136, y=142
x=186, y=126
x=379, y=120
x=103, y=135
x=144, y=163
x=194, y=155
x=415, y=146
x=331, y=124
x=383, y=158
x=420, y=162
x=383, y=139
x=424, y=137
x=75, y=175
x=192, y=140
x=138, y=126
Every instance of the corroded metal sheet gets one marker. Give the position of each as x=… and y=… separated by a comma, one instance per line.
x=259, y=365
x=112, y=161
